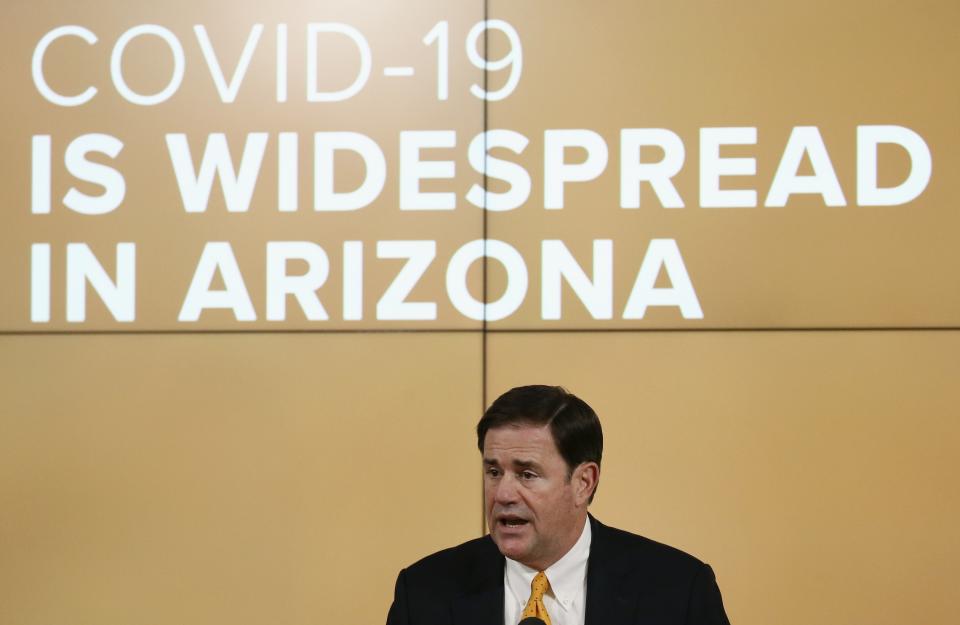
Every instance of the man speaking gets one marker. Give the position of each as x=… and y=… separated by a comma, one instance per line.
x=545, y=557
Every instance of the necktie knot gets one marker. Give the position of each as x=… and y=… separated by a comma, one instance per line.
x=535, y=607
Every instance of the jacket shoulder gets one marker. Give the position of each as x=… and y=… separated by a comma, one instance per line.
x=456, y=566
x=667, y=584
x=639, y=554
x=470, y=574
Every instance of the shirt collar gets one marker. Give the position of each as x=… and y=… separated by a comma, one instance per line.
x=567, y=575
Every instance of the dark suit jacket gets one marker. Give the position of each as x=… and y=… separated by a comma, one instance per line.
x=631, y=580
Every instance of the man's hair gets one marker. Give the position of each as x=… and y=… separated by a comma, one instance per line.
x=573, y=423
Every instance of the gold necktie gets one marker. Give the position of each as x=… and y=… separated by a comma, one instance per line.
x=535, y=607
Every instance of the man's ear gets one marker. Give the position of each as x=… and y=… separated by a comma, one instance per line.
x=585, y=478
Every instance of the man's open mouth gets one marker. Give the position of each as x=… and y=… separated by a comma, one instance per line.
x=512, y=521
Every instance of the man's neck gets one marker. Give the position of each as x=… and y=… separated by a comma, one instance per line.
x=565, y=548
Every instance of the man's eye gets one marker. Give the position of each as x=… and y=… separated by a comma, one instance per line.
x=493, y=472
x=528, y=475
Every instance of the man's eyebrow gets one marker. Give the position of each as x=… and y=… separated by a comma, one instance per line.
x=516, y=464
x=526, y=464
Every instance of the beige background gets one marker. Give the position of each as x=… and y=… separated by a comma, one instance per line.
x=689, y=65
x=229, y=479
x=169, y=240
x=803, y=438
x=813, y=471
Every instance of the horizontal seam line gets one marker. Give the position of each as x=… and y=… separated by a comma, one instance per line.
x=480, y=330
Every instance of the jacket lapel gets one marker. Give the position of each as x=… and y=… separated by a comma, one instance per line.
x=606, y=603
x=482, y=604
x=484, y=607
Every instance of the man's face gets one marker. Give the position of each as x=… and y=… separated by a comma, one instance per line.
x=535, y=513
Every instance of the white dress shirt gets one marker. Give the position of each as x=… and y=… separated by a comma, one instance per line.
x=566, y=601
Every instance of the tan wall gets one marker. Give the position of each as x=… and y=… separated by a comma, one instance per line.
x=812, y=470
x=802, y=437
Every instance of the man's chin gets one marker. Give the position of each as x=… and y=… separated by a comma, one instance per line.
x=511, y=546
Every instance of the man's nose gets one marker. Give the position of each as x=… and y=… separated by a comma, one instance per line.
x=506, y=490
